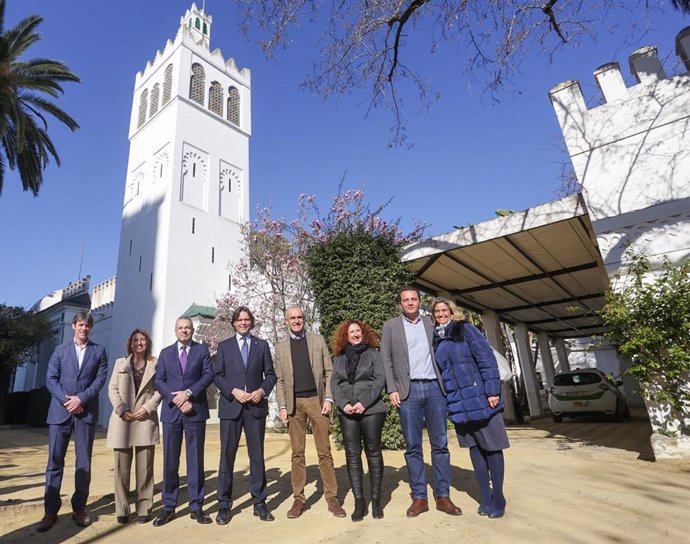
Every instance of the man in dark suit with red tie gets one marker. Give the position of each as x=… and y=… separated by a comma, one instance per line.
x=182, y=375
x=76, y=373
x=244, y=375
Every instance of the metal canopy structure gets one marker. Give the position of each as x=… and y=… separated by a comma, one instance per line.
x=541, y=266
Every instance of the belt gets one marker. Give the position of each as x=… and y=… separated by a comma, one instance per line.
x=423, y=380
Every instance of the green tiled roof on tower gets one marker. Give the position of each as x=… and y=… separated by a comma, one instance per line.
x=199, y=310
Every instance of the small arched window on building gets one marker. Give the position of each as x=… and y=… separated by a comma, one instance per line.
x=197, y=83
x=143, y=106
x=197, y=24
x=234, y=105
x=155, y=95
x=215, y=98
x=205, y=29
x=167, y=84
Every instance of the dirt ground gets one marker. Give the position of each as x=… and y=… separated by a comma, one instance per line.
x=573, y=482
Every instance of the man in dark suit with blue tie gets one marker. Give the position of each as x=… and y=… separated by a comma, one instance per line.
x=182, y=375
x=76, y=373
x=244, y=375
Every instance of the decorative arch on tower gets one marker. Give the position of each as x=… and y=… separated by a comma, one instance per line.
x=143, y=106
x=160, y=167
x=197, y=84
x=230, y=192
x=233, y=111
x=194, y=182
x=167, y=84
x=215, y=98
x=155, y=97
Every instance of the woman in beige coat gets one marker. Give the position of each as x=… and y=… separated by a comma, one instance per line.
x=133, y=427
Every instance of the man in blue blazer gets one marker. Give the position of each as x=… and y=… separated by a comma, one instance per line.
x=76, y=373
x=182, y=375
x=244, y=375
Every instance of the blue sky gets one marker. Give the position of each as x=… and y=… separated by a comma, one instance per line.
x=470, y=155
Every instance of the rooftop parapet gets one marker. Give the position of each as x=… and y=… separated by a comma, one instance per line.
x=186, y=35
x=645, y=65
x=654, y=100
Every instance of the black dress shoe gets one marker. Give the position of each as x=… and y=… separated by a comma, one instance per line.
x=122, y=520
x=262, y=512
x=164, y=517
x=223, y=517
x=200, y=516
x=143, y=519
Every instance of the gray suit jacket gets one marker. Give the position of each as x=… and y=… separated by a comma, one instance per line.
x=320, y=364
x=396, y=358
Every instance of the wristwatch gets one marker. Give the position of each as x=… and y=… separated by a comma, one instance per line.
x=188, y=392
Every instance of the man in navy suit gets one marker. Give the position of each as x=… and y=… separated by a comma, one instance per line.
x=244, y=375
x=182, y=375
x=76, y=373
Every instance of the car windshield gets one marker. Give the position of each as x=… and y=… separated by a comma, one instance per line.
x=580, y=378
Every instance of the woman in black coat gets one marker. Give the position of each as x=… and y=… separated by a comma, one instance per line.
x=357, y=381
x=473, y=387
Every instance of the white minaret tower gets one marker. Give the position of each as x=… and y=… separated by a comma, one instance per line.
x=187, y=191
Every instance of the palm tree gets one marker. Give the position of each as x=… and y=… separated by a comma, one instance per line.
x=24, y=139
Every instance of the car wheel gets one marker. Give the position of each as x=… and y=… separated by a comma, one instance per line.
x=557, y=419
x=620, y=412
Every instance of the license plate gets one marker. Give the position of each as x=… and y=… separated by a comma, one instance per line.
x=578, y=404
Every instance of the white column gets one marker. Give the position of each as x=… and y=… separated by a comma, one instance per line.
x=546, y=359
x=563, y=363
x=527, y=365
x=492, y=327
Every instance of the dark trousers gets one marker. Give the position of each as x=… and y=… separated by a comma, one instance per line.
x=194, y=436
x=367, y=429
x=58, y=440
x=230, y=432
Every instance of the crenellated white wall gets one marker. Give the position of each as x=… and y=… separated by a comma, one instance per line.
x=632, y=156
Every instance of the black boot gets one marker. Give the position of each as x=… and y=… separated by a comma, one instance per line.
x=360, y=510
x=376, y=508
x=375, y=462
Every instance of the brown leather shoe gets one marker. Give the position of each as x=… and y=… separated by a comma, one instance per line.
x=335, y=508
x=418, y=506
x=296, y=510
x=81, y=518
x=444, y=504
x=46, y=523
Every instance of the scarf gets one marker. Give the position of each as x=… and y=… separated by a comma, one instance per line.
x=352, y=354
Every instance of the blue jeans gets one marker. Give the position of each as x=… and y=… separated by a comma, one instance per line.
x=426, y=404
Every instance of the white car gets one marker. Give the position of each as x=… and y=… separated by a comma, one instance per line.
x=586, y=392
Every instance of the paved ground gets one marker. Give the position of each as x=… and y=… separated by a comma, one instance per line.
x=574, y=482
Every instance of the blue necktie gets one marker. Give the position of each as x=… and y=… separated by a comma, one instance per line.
x=245, y=351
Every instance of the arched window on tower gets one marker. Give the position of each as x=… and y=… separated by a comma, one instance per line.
x=233, y=106
x=167, y=84
x=197, y=83
x=197, y=24
x=143, y=106
x=205, y=29
x=155, y=94
x=215, y=98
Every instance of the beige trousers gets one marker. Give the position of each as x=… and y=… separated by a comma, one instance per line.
x=143, y=461
x=310, y=409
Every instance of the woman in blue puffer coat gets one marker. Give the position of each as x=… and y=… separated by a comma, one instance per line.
x=473, y=388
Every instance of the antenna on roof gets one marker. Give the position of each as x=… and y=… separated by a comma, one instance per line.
x=81, y=259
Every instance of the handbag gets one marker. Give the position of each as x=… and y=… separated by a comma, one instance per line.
x=504, y=370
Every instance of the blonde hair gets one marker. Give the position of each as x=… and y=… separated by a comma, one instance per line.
x=456, y=313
